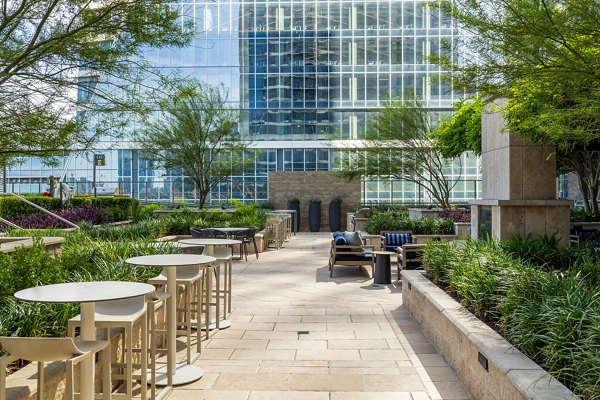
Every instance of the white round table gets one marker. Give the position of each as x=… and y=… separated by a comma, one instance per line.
x=175, y=374
x=87, y=294
x=210, y=243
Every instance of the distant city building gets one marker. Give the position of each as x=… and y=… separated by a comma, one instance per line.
x=303, y=73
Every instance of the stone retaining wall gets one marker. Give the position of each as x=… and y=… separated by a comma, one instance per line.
x=489, y=366
x=322, y=185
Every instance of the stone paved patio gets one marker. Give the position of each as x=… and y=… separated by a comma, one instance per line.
x=361, y=343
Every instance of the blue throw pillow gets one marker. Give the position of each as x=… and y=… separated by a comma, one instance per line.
x=339, y=239
x=353, y=238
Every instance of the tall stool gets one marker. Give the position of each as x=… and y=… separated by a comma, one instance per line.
x=224, y=256
x=157, y=329
x=48, y=349
x=123, y=314
x=191, y=280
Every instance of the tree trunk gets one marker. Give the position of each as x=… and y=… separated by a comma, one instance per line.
x=584, y=195
x=203, y=197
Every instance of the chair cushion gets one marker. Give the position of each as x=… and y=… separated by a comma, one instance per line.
x=352, y=257
x=396, y=239
x=413, y=254
x=353, y=238
x=414, y=265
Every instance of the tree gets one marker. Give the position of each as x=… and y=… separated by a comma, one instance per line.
x=65, y=63
x=396, y=144
x=460, y=131
x=195, y=131
x=554, y=113
x=545, y=57
x=508, y=42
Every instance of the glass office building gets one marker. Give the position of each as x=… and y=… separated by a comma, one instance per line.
x=303, y=73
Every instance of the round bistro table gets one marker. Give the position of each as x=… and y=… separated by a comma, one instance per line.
x=86, y=294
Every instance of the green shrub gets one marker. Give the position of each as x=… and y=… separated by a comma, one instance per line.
x=399, y=221
x=11, y=207
x=27, y=267
x=119, y=208
x=553, y=316
x=388, y=221
x=548, y=253
x=438, y=259
x=145, y=212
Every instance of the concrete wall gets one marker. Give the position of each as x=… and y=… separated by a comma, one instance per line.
x=284, y=186
x=514, y=169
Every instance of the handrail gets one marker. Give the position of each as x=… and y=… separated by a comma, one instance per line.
x=4, y=221
x=41, y=209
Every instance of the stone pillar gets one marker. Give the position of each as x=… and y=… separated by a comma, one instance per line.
x=519, y=185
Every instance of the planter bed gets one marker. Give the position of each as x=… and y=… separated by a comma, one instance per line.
x=489, y=366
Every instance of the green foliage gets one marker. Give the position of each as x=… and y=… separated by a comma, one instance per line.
x=396, y=144
x=399, y=221
x=550, y=310
x=145, y=212
x=119, y=208
x=43, y=49
x=27, y=267
x=554, y=318
x=337, y=199
x=11, y=207
x=547, y=252
x=461, y=131
x=196, y=132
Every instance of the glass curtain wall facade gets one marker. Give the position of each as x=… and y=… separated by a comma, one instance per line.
x=303, y=72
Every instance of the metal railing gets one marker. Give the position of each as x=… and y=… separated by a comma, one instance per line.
x=42, y=209
x=7, y=222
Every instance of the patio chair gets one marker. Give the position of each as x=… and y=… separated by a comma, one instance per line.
x=214, y=233
x=351, y=252
x=191, y=280
x=46, y=349
x=124, y=315
x=247, y=237
x=392, y=240
x=410, y=256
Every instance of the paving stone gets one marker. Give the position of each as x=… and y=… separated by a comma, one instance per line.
x=361, y=344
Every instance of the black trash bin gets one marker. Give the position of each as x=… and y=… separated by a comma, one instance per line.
x=383, y=267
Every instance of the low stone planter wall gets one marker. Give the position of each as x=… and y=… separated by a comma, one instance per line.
x=462, y=230
x=53, y=245
x=418, y=213
x=489, y=366
x=422, y=239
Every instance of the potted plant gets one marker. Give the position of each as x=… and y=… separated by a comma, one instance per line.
x=335, y=213
x=294, y=204
x=314, y=215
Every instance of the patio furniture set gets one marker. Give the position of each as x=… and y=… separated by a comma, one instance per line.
x=195, y=281
x=354, y=249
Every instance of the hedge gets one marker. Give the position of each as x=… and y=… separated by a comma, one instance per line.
x=119, y=208
x=11, y=207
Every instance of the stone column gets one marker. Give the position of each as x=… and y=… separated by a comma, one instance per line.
x=519, y=185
